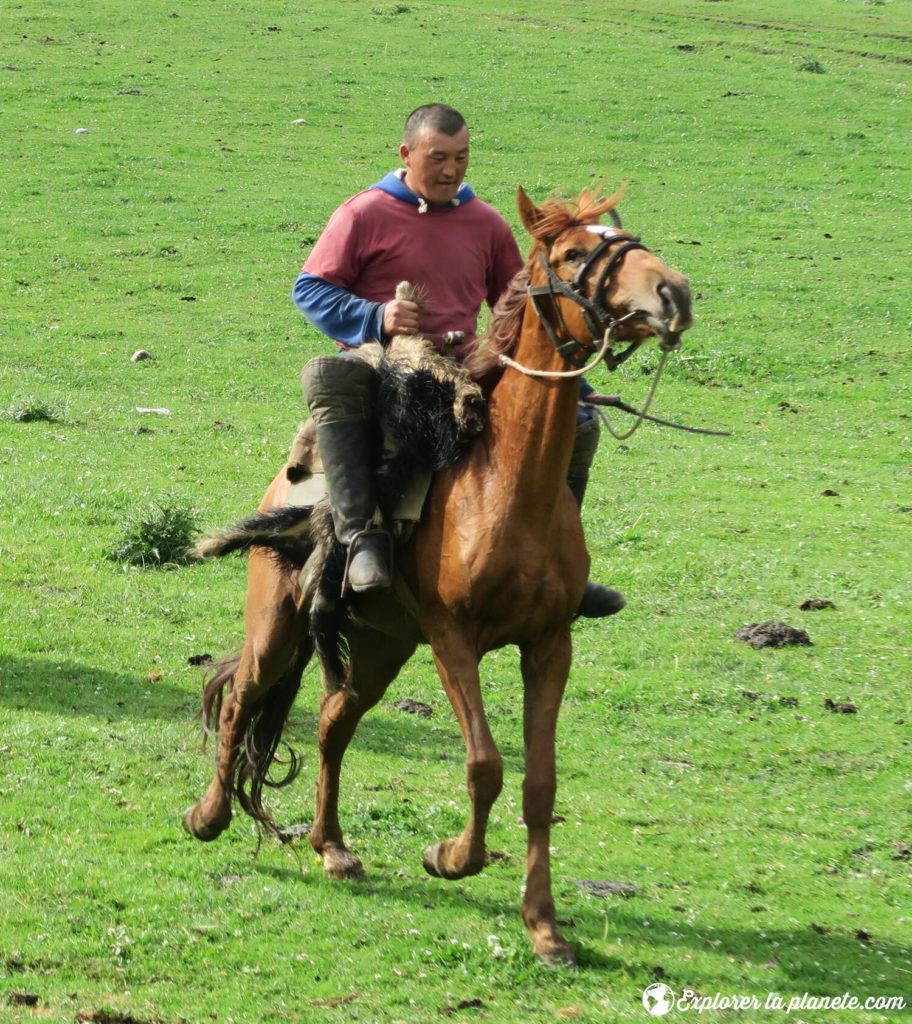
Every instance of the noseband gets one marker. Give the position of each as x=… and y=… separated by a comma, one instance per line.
x=599, y=319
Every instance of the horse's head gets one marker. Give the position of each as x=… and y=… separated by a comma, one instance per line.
x=587, y=278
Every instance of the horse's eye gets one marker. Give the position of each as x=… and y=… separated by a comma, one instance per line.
x=573, y=256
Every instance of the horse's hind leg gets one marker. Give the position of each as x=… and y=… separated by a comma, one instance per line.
x=275, y=628
x=375, y=663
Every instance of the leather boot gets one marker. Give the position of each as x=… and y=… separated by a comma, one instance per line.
x=369, y=558
x=598, y=601
x=339, y=391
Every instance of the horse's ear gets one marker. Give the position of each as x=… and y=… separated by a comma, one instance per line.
x=529, y=213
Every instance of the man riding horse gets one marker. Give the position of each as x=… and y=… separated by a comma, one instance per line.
x=498, y=558
x=422, y=224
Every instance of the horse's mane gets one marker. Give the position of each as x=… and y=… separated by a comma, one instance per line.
x=554, y=216
x=484, y=365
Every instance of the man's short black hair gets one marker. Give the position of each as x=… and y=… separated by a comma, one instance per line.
x=438, y=117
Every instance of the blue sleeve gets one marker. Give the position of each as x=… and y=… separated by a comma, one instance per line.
x=338, y=313
x=586, y=389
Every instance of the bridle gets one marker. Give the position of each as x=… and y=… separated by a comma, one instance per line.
x=598, y=318
x=599, y=321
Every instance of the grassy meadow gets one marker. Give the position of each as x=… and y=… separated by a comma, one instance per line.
x=164, y=170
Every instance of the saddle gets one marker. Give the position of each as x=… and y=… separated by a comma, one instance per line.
x=308, y=483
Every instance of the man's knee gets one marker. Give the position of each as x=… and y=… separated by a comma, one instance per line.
x=338, y=388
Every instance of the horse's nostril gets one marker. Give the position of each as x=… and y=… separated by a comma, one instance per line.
x=668, y=303
x=675, y=305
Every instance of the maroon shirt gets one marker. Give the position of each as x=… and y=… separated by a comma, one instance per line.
x=459, y=255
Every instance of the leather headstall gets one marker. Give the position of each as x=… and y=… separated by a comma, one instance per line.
x=597, y=316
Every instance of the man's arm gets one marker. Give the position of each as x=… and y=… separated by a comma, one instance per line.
x=336, y=312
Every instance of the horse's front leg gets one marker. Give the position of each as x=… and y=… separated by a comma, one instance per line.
x=457, y=664
x=375, y=662
x=274, y=621
x=545, y=666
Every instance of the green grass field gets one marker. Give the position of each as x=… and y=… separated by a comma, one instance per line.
x=164, y=170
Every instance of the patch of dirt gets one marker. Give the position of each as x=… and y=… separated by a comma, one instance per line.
x=108, y=1017
x=840, y=707
x=786, y=702
x=287, y=833
x=338, y=1001
x=22, y=999
x=496, y=856
x=465, y=1004
x=772, y=634
x=606, y=888
x=414, y=707
x=815, y=604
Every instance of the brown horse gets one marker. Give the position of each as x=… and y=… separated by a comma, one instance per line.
x=498, y=558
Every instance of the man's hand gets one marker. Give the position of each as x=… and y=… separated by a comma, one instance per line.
x=400, y=317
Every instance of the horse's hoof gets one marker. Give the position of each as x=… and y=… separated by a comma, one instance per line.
x=429, y=860
x=434, y=864
x=204, y=831
x=343, y=864
x=562, y=956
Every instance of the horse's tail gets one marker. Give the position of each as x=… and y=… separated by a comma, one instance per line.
x=304, y=537
x=259, y=745
x=284, y=530
x=262, y=740
x=213, y=694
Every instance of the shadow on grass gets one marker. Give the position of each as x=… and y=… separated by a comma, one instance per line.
x=384, y=731
x=797, y=959
x=70, y=688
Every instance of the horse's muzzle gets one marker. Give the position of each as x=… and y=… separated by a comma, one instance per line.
x=674, y=293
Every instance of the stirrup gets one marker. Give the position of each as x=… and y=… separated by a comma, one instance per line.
x=384, y=571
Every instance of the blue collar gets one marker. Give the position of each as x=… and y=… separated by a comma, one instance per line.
x=393, y=184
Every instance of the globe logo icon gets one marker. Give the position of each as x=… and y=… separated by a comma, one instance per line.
x=658, y=999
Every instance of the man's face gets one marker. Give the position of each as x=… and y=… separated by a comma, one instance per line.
x=436, y=164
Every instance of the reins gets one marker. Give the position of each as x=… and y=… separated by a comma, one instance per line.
x=602, y=354
x=597, y=358
x=615, y=402
x=641, y=415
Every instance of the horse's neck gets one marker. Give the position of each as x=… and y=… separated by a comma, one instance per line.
x=533, y=419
